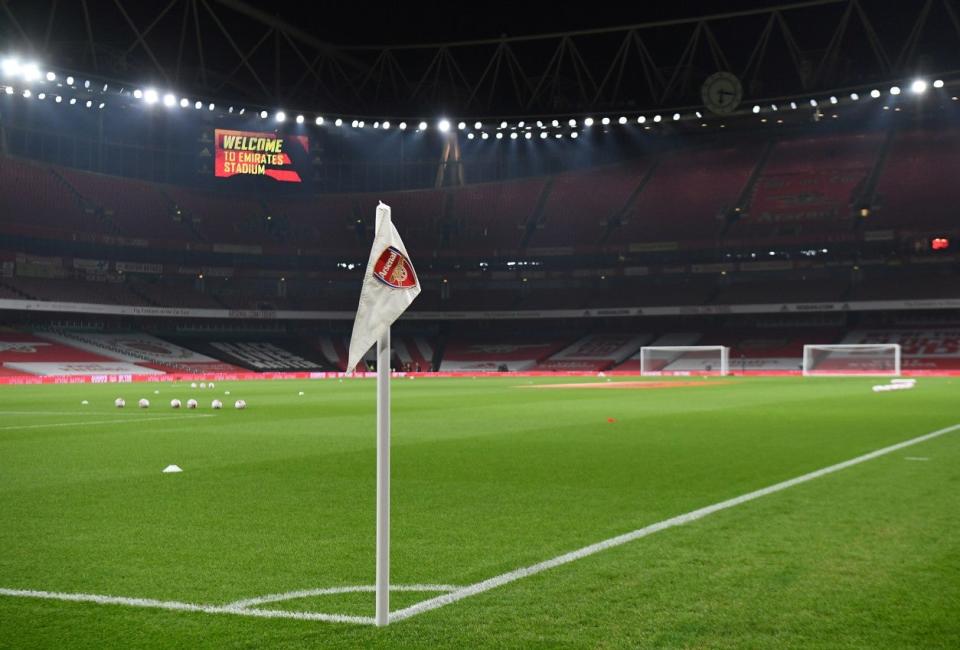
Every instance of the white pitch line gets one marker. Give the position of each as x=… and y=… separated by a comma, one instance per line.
x=177, y=606
x=526, y=572
x=48, y=413
x=123, y=421
x=327, y=591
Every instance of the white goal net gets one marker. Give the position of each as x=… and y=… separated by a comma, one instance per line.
x=862, y=359
x=685, y=360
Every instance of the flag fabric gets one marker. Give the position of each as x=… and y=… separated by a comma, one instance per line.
x=389, y=286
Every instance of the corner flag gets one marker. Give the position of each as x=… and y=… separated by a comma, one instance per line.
x=389, y=286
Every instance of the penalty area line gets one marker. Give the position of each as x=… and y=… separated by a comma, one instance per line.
x=619, y=540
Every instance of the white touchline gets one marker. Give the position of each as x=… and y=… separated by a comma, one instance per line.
x=174, y=605
x=454, y=594
x=123, y=421
x=525, y=572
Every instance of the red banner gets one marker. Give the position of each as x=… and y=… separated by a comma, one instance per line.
x=250, y=153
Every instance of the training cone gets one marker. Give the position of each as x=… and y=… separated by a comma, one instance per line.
x=172, y=469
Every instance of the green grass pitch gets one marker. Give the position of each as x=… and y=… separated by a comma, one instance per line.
x=489, y=475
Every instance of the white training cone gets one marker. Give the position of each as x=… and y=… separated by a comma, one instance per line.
x=84, y=402
x=172, y=469
x=301, y=393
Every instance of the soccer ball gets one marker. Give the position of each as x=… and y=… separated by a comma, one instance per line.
x=193, y=385
x=191, y=403
x=216, y=404
x=119, y=402
x=144, y=403
x=210, y=385
x=240, y=404
x=202, y=385
x=175, y=403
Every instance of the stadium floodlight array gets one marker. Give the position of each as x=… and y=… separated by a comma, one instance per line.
x=24, y=74
x=862, y=360
x=685, y=360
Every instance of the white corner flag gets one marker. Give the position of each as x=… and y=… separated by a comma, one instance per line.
x=389, y=286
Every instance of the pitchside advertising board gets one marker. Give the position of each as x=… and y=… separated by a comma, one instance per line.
x=270, y=155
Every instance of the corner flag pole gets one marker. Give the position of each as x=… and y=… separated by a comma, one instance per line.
x=383, y=480
x=389, y=286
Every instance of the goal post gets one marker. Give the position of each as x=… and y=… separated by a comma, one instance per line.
x=862, y=359
x=685, y=360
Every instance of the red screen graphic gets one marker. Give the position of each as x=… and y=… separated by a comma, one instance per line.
x=940, y=244
x=250, y=153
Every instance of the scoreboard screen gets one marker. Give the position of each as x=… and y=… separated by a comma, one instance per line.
x=250, y=153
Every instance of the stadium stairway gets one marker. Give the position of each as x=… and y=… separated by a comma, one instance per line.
x=743, y=199
x=536, y=218
x=617, y=218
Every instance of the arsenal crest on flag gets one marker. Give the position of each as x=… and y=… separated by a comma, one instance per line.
x=389, y=286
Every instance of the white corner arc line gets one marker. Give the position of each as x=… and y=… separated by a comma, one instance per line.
x=679, y=520
x=122, y=421
x=327, y=591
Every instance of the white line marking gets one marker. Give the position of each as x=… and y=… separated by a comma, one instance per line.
x=49, y=413
x=242, y=607
x=915, y=458
x=174, y=605
x=679, y=520
x=86, y=424
x=306, y=593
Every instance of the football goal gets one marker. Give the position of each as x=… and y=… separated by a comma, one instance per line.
x=881, y=359
x=685, y=360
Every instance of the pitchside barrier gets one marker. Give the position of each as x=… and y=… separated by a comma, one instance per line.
x=252, y=376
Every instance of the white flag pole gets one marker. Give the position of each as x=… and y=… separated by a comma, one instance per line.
x=383, y=479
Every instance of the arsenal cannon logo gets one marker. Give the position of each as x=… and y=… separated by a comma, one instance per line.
x=394, y=269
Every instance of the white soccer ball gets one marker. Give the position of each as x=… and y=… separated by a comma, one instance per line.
x=119, y=403
x=175, y=403
x=216, y=404
x=191, y=403
x=144, y=403
x=202, y=385
x=210, y=385
x=240, y=404
x=193, y=385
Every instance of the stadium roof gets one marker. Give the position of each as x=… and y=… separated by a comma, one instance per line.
x=493, y=60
